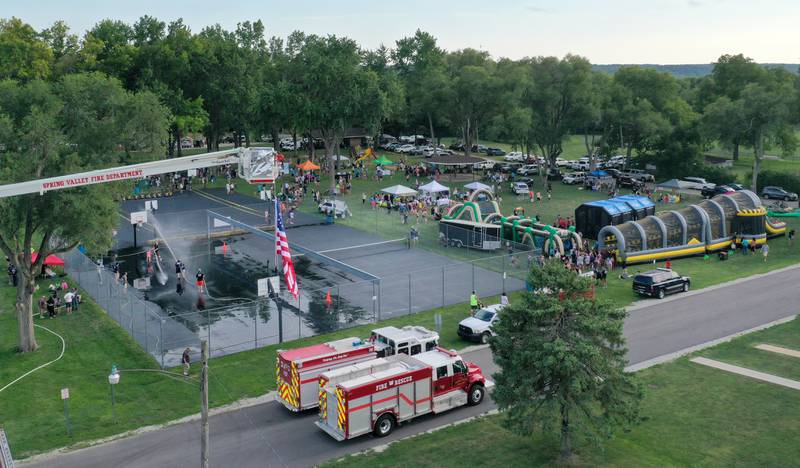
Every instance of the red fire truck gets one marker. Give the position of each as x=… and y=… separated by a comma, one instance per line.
x=377, y=395
x=298, y=370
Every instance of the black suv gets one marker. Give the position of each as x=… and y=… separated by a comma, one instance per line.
x=709, y=192
x=660, y=282
x=495, y=152
x=777, y=193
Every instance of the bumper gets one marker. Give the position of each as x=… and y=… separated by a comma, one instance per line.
x=469, y=336
x=330, y=431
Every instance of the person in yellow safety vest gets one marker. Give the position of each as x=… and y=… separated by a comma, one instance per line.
x=473, y=302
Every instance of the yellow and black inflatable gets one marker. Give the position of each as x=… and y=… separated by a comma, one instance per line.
x=698, y=229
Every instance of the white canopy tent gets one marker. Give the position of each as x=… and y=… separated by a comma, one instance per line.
x=477, y=186
x=433, y=187
x=400, y=191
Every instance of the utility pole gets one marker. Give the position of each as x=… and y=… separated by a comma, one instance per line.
x=204, y=405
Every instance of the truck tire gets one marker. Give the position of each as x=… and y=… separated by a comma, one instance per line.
x=384, y=425
x=685, y=287
x=485, y=337
x=476, y=394
x=661, y=293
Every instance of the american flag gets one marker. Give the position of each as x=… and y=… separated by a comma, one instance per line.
x=282, y=250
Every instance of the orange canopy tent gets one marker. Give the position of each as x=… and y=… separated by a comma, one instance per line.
x=308, y=166
x=51, y=260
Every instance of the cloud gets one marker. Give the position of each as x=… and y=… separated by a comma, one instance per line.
x=538, y=9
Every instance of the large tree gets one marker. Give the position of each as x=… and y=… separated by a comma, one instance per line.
x=720, y=95
x=24, y=55
x=339, y=91
x=420, y=64
x=473, y=86
x=769, y=113
x=557, y=95
x=562, y=357
x=51, y=130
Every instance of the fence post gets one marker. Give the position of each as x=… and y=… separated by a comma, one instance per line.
x=379, y=299
x=208, y=323
x=443, y=285
x=409, y=294
x=161, y=340
x=374, y=302
x=146, y=341
x=255, y=323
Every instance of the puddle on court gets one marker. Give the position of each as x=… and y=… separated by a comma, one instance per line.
x=232, y=268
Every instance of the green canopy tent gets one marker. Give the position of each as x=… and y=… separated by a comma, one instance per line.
x=383, y=161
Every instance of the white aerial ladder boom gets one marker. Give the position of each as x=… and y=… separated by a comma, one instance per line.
x=256, y=165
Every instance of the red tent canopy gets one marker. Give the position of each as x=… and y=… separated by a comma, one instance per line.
x=51, y=260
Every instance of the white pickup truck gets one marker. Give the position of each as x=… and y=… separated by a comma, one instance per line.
x=479, y=326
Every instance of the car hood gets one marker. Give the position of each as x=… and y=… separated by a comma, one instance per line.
x=474, y=323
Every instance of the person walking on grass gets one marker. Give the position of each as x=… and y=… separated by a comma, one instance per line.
x=186, y=361
x=42, y=306
x=765, y=251
x=473, y=302
x=791, y=236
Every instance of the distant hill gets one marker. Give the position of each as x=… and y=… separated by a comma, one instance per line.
x=689, y=70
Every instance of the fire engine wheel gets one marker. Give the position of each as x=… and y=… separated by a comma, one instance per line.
x=485, y=337
x=384, y=425
x=476, y=393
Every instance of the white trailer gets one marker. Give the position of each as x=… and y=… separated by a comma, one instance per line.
x=378, y=395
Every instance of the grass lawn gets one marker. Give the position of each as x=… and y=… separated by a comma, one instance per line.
x=33, y=415
x=694, y=416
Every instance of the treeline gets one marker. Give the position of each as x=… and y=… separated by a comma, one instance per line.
x=686, y=70
x=244, y=83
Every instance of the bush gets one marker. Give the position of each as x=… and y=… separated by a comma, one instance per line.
x=790, y=182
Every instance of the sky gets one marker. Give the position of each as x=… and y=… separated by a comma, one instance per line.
x=610, y=31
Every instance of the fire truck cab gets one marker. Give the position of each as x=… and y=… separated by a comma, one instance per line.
x=378, y=395
x=409, y=340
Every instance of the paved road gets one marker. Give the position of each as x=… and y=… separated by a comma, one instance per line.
x=267, y=435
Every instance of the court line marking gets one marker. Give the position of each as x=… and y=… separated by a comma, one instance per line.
x=753, y=374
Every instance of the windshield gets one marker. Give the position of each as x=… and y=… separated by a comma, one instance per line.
x=484, y=315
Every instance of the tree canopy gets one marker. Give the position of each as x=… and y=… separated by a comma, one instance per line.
x=561, y=355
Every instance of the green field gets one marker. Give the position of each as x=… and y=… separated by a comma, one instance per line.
x=33, y=415
x=693, y=416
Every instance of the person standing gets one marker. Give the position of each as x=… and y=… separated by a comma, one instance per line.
x=473, y=302
x=51, y=306
x=75, y=299
x=791, y=236
x=68, y=301
x=186, y=361
x=201, y=280
x=42, y=306
x=765, y=251
x=504, y=299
